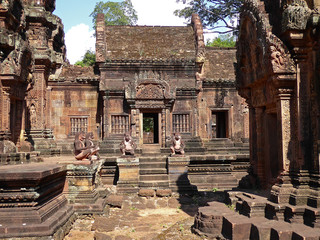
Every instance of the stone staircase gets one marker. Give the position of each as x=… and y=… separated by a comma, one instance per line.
x=153, y=169
x=153, y=173
x=110, y=146
x=249, y=221
x=226, y=146
x=194, y=146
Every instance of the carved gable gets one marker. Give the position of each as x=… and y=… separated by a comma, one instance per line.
x=150, y=91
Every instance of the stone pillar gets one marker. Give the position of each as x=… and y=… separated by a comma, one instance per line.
x=253, y=140
x=5, y=113
x=259, y=118
x=284, y=126
x=133, y=124
x=128, y=175
x=168, y=126
x=281, y=191
x=6, y=144
x=38, y=129
x=163, y=127
x=105, y=118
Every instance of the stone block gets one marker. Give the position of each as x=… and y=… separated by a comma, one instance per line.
x=146, y=193
x=236, y=227
x=115, y=200
x=164, y=192
x=101, y=236
x=281, y=231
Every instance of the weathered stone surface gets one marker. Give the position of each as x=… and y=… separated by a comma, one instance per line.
x=101, y=236
x=146, y=193
x=164, y=192
x=115, y=200
x=122, y=237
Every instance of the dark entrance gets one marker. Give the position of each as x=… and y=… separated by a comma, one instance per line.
x=150, y=128
x=219, y=124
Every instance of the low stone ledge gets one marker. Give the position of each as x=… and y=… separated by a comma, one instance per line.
x=146, y=193
x=115, y=200
x=164, y=192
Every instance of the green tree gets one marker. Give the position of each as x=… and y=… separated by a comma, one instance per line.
x=223, y=40
x=217, y=15
x=116, y=13
x=89, y=59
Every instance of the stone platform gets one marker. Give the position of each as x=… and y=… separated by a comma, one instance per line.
x=41, y=200
x=32, y=203
x=246, y=217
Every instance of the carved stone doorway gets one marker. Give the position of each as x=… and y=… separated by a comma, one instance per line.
x=150, y=126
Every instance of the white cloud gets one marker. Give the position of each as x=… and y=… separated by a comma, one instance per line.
x=155, y=12
x=78, y=40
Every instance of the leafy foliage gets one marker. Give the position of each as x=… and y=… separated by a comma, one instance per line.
x=89, y=59
x=216, y=15
x=116, y=13
x=225, y=40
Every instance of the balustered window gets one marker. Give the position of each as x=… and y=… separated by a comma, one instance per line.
x=181, y=123
x=119, y=124
x=78, y=124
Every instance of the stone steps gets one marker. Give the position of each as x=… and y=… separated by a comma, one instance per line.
x=153, y=165
x=218, y=220
x=153, y=171
x=154, y=184
x=153, y=177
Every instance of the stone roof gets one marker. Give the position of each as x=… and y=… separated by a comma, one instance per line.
x=150, y=43
x=73, y=73
x=219, y=64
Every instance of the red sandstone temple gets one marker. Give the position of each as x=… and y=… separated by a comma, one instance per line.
x=153, y=82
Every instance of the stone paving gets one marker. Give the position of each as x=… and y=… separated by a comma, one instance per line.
x=141, y=218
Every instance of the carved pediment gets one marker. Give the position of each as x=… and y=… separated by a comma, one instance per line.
x=149, y=85
x=150, y=91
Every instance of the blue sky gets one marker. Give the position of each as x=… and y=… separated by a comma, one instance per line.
x=74, y=12
x=79, y=33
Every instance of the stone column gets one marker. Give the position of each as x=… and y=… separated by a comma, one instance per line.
x=168, y=125
x=105, y=118
x=259, y=118
x=5, y=113
x=38, y=129
x=284, y=125
x=280, y=192
x=163, y=127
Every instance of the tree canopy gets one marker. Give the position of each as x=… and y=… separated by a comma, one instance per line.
x=223, y=40
x=89, y=59
x=116, y=13
x=218, y=16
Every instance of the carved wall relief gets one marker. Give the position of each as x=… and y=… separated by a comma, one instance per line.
x=150, y=91
x=295, y=15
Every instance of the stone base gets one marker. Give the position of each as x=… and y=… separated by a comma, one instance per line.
x=82, y=187
x=128, y=175
x=32, y=203
x=36, y=221
x=178, y=175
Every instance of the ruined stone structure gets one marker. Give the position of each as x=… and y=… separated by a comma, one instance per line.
x=32, y=48
x=150, y=82
x=278, y=75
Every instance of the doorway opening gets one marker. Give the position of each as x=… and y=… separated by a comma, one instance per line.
x=219, y=124
x=150, y=128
